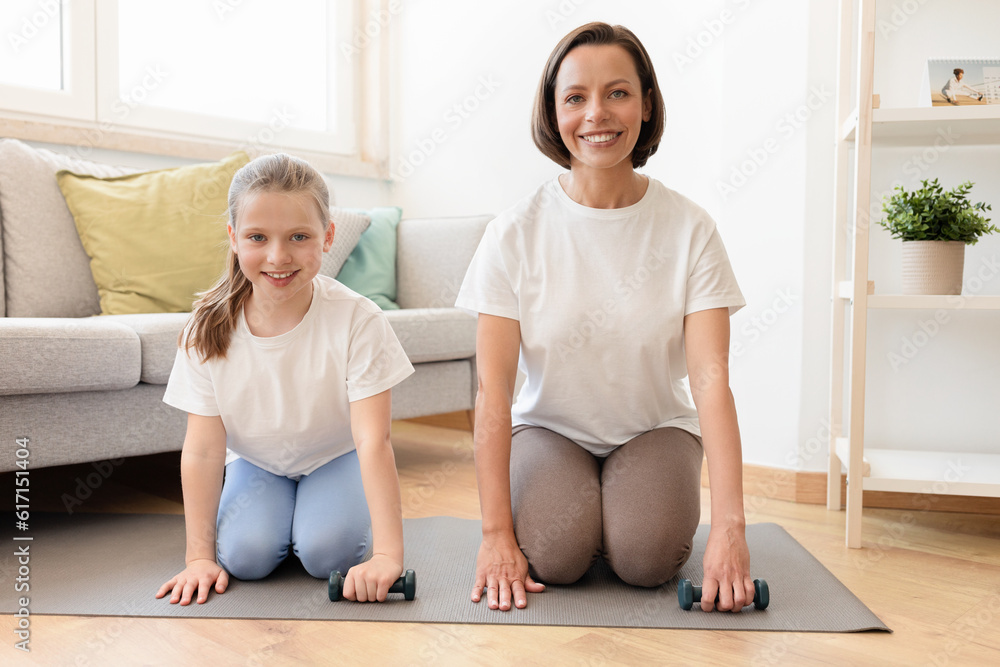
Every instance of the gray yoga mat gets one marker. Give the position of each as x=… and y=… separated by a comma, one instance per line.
x=112, y=565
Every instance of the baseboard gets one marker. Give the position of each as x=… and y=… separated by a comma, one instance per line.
x=794, y=486
x=810, y=488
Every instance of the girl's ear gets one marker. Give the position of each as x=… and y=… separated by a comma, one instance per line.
x=328, y=239
x=232, y=236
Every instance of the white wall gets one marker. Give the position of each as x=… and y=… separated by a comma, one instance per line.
x=727, y=109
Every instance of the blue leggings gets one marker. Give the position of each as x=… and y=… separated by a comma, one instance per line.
x=323, y=517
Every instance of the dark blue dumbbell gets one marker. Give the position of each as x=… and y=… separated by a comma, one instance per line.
x=687, y=594
x=406, y=584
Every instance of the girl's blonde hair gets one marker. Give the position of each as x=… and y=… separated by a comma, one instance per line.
x=217, y=310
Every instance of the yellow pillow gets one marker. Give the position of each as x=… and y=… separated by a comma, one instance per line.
x=154, y=239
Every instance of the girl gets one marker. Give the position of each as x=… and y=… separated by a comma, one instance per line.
x=286, y=377
x=611, y=289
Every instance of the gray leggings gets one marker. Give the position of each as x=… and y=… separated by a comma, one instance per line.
x=638, y=508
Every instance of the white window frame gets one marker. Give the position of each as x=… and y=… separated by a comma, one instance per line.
x=77, y=98
x=83, y=115
x=342, y=141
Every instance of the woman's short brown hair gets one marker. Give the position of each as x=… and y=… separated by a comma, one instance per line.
x=545, y=130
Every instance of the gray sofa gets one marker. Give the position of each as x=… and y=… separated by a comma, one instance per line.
x=87, y=388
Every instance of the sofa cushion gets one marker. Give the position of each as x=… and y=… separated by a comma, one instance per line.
x=371, y=268
x=446, y=386
x=154, y=239
x=50, y=355
x=39, y=235
x=158, y=334
x=433, y=256
x=434, y=334
x=348, y=228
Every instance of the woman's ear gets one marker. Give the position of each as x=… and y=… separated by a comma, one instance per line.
x=647, y=106
x=328, y=239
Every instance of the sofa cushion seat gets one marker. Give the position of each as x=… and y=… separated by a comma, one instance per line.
x=54, y=355
x=158, y=337
x=434, y=334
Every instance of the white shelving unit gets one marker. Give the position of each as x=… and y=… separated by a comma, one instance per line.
x=861, y=127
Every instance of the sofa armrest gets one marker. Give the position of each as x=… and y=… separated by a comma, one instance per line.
x=432, y=256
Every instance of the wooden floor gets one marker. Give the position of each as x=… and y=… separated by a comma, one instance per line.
x=934, y=578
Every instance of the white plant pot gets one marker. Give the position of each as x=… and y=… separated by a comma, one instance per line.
x=933, y=267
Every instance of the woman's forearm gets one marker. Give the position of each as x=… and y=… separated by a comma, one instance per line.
x=492, y=446
x=720, y=434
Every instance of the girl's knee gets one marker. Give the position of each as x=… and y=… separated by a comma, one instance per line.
x=322, y=556
x=249, y=559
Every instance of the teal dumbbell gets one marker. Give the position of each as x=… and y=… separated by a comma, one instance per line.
x=687, y=594
x=406, y=584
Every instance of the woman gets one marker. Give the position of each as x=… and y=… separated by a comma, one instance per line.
x=611, y=289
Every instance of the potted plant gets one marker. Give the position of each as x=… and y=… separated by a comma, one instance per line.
x=935, y=227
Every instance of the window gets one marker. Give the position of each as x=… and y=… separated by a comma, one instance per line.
x=241, y=73
x=47, y=59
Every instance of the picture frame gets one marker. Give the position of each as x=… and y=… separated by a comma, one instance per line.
x=961, y=82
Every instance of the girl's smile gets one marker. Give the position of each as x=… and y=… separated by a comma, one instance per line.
x=280, y=243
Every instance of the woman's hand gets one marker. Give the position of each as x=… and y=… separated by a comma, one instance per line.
x=199, y=575
x=727, y=569
x=371, y=580
x=503, y=570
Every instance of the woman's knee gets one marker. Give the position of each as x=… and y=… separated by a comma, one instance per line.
x=561, y=566
x=641, y=563
x=562, y=543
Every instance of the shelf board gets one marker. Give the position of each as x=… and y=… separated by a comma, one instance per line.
x=959, y=126
x=966, y=125
x=943, y=473
x=935, y=302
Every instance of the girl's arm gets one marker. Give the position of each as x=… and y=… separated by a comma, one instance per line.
x=727, y=558
x=203, y=462
x=500, y=565
x=370, y=424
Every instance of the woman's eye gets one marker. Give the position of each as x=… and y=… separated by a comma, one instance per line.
x=619, y=94
x=575, y=99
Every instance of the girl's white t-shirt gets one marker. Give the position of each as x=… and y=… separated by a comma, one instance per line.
x=284, y=400
x=601, y=295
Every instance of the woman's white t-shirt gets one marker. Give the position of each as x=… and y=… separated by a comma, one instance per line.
x=284, y=400
x=601, y=295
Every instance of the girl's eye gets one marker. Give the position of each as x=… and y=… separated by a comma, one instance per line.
x=299, y=237
x=256, y=237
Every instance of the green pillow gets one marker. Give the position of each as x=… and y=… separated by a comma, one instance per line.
x=370, y=270
x=154, y=239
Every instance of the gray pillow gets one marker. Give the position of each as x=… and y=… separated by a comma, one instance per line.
x=349, y=227
x=46, y=269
